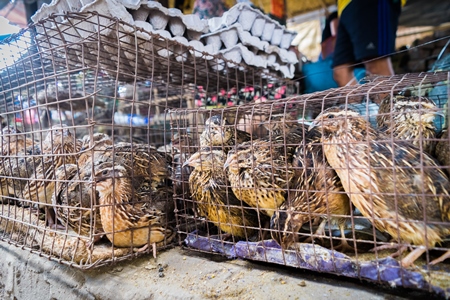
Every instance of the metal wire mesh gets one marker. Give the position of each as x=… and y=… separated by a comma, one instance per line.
x=329, y=181
x=86, y=158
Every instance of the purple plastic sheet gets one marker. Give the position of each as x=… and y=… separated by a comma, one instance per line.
x=317, y=258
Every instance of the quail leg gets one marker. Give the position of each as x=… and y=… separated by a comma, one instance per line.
x=412, y=256
x=142, y=249
x=400, y=249
x=409, y=259
x=344, y=246
x=145, y=247
x=319, y=232
x=265, y=233
x=441, y=258
x=226, y=236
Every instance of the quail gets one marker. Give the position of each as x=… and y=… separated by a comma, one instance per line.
x=400, y=190
x=410, y=119
x=259, y=173
x=125, y=223
x=213, y=197
x=59, y=147
x=317, y=192
x=218, y=132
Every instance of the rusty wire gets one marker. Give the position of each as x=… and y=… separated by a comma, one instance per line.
x=94, y=74
x=203, y=233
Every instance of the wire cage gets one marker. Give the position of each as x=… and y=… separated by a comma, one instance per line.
x=330, y=181
x=86, y=160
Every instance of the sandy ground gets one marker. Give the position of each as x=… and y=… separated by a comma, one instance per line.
x=185, y=275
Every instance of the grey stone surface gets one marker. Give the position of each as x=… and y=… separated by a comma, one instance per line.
x=187, y=275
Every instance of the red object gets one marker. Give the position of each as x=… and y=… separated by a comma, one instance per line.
x=277, y=8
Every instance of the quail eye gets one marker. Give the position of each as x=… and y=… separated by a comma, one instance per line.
x=330, y=116
x=105, y=172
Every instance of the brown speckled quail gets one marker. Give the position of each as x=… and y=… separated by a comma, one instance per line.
x=18, y=163
x=59, y=147
x=259, y=173
x=218, y=132
x=75, y=201
x=317, y=192
x=125, y=223
x=213, y=197
x=410, y=119
x=387, y=181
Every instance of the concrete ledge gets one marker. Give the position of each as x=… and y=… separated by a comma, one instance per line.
x=187, y=275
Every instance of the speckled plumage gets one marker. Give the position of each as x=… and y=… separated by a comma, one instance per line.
x=317, y=191
x=74, y=200
x=259, y=173
x=213, y=197
x=284, y=129
x=218, y=132
x=442, y=150
x=14, y=142
x=143, y=162
x=59, y=147
x=149, y=169
x=183, y=148
x=410, y=119
x=97, y=138
x=18, y=161
x=125, y=222
x=385, y=182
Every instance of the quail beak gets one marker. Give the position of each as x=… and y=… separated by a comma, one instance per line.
x=116, y=174
x=431, y=113
x=230, y=161
x=99, y=178
x=313, y=124
x=91, y=182
x=192, y=161
x=66, y=133
x=186, y=163
x=437, y=112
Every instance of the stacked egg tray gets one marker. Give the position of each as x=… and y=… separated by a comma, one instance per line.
x=149, y=37
x=199, y=228
x=246, y=34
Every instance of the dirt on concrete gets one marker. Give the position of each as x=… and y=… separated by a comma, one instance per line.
x=176, y=274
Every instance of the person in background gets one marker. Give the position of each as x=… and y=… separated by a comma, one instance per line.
x=329, y=35
x=207, y=9
x=367, y=30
